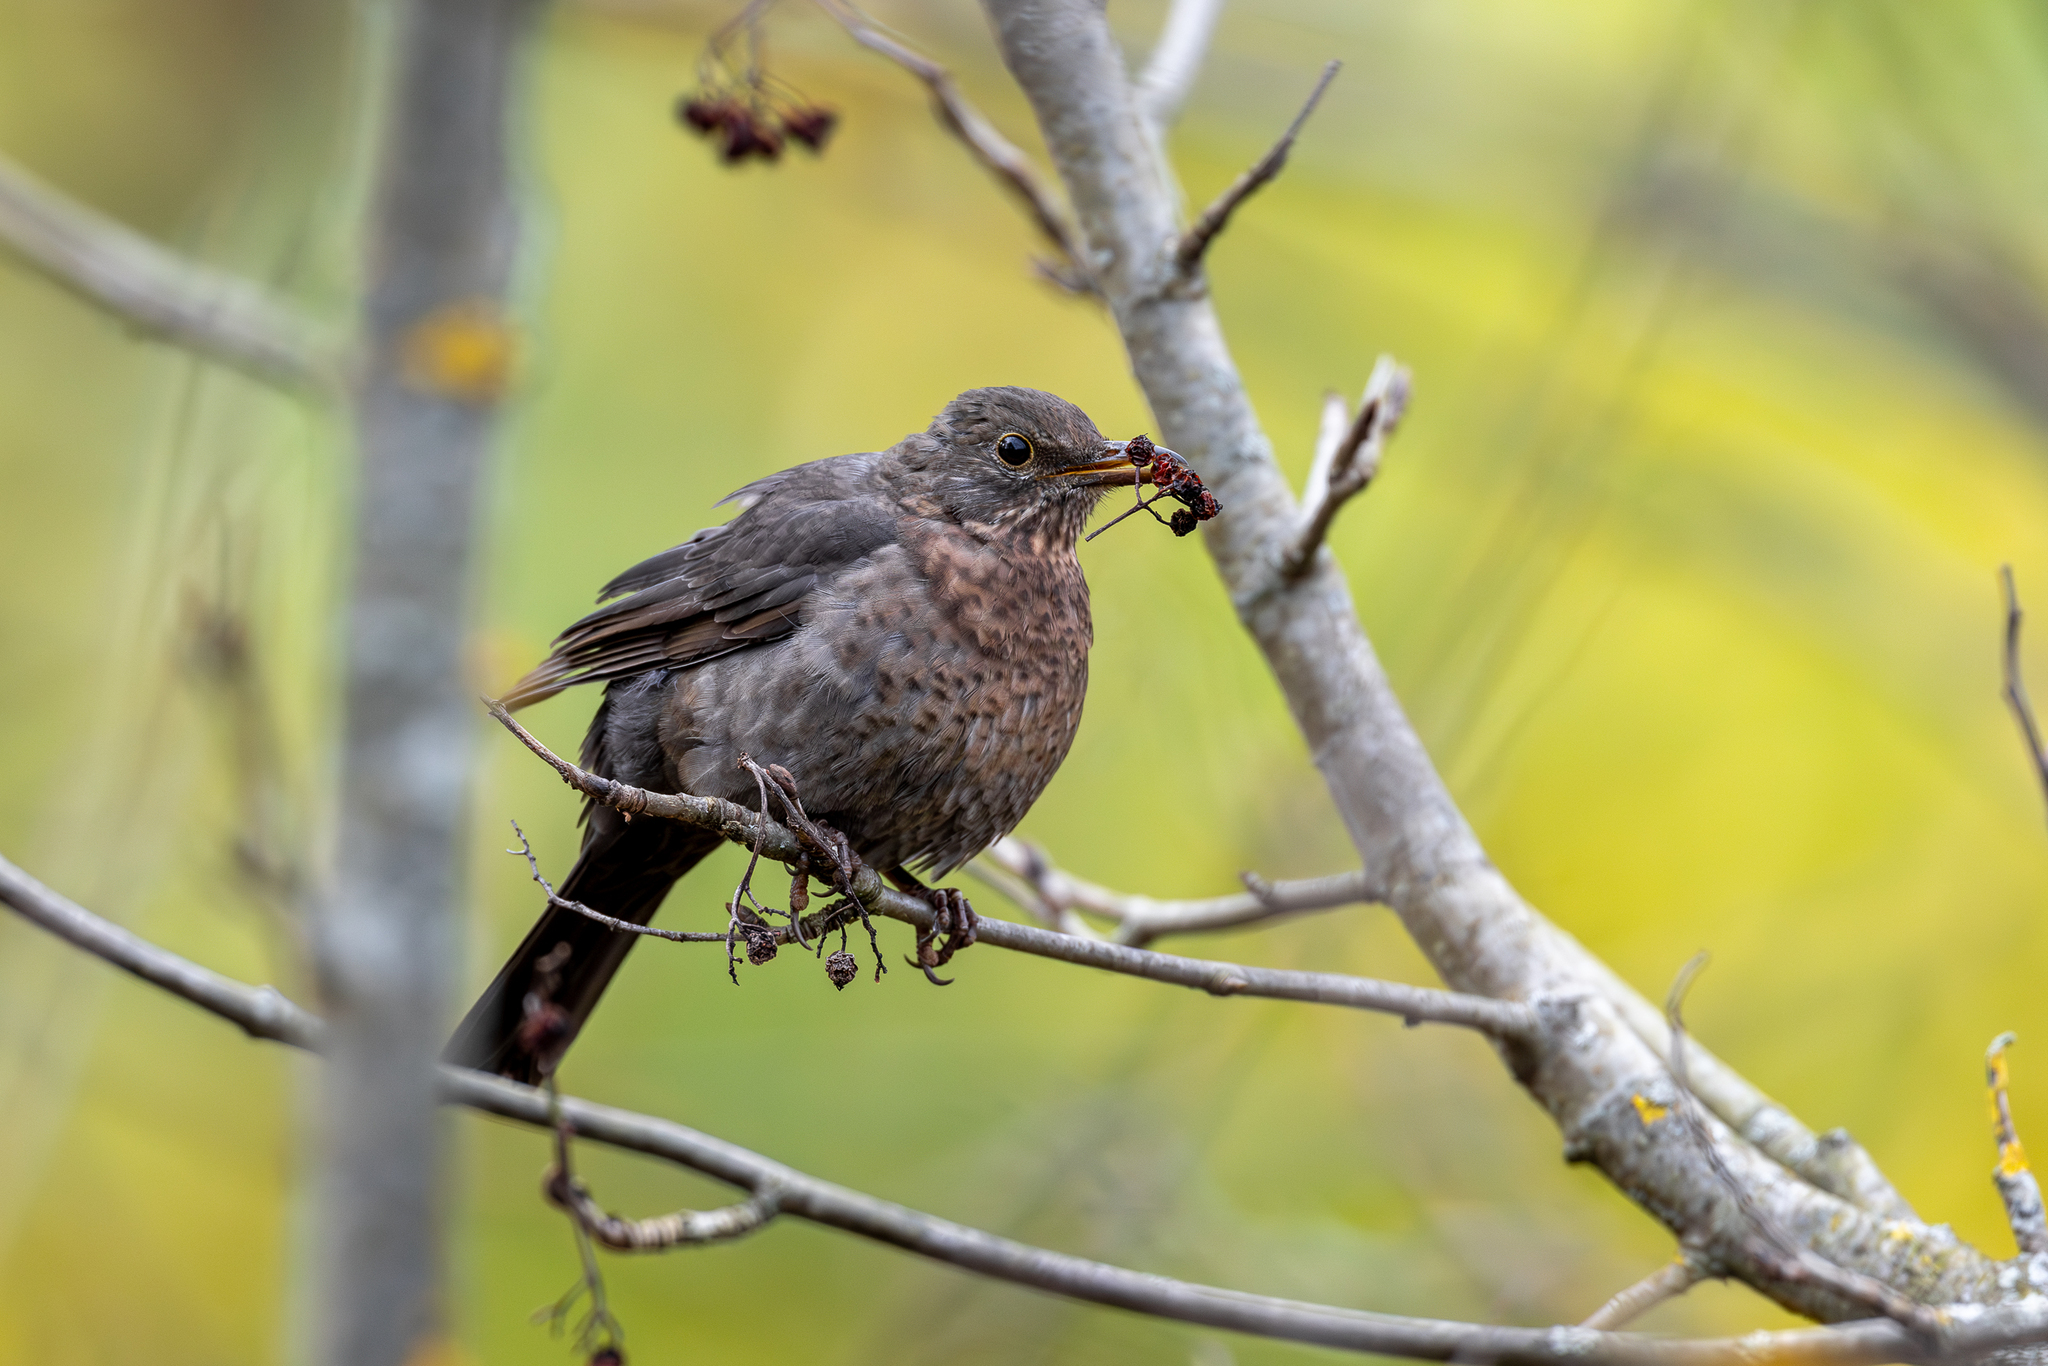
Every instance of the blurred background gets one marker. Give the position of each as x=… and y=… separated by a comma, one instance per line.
x=1730, y=330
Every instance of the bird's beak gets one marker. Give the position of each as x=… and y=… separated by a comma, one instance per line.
x=1113, y=470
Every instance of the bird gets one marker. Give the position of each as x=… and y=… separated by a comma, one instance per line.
x=906, y=632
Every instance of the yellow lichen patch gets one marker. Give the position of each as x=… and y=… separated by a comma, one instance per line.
x=2012, y=1158
x=1649, y=1110
x=461, y=350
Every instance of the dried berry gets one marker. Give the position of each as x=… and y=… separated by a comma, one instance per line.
x=608, y=1356
x=810, y=124
x=1140, y=448
x=1183, y=521
x=761, y=943
x=702, y=112
x=747, y=135
x=842, y=967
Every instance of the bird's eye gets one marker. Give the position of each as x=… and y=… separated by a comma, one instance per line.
x=1013, y=450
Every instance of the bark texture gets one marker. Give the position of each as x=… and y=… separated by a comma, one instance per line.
x=436, y=356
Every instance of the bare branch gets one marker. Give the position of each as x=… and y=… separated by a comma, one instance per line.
x=1591, y=1070
x=1505, y=1019
x=211, y=312
x=1795, y=1260
x=2015, y=685
x=1194, y=243
x=997, y=154
x=609, y=922
x=683, y=1228
x=1176, y=61
x=1971, y=1331
x=1353, y=461
x=1667, y=1282
x=1054, y=892
x=262, y=1012
x=2016, y=1182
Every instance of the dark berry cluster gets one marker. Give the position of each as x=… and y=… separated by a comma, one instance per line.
x=752, y=122
x=1170, y=474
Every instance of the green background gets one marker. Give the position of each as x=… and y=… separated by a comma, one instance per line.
x=1725, y=322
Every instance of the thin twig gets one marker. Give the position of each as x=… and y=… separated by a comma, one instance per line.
x=599, y=1330
x=609, y=922
x=683, y=1228
x=2016, y=1182
x=1175, y=62
x=1789, y=1259
x=1194, y=243
x=999, y=156
x=226, y=317
x=260, y=1011
x=1053, y=892
x=1353, y=461
x=1667, y=1282
x=1505, y=1019
x=2015, y=685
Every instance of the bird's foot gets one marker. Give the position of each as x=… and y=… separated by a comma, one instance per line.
x=952, y=928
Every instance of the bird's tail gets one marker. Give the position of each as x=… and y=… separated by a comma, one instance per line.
x=625, y=870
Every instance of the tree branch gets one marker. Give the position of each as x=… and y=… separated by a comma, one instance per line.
x=438, y=244
x=1602, y=1057
x=1053, y=892
x=1194, y=243
x=1971, y=1331
x=1795, y=1262
x=1667, y=1282
x=1503, y=1019
x=997, y=154
x=1176, y=61
x=1353, y=460
x=2017, y=1185
x=2015, y=685
x=211, y=312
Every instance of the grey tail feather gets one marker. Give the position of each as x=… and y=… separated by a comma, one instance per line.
x=625, y=871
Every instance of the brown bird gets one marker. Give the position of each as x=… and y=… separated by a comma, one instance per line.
x=905, y=631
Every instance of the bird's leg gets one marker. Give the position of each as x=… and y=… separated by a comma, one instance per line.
x=953, y=924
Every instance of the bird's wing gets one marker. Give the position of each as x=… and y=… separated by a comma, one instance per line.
x=728, y=587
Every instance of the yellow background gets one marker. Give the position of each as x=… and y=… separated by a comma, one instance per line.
x=1683, y=564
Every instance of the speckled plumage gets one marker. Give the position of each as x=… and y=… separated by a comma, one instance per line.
x=906, y=631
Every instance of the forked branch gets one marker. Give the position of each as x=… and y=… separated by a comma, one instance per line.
x=1971, y=1331
x=778, y=843
x=1037, y=883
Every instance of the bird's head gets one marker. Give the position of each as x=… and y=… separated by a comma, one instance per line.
x=1017, y=458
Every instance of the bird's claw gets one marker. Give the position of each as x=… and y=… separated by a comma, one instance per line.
x=952, y=929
